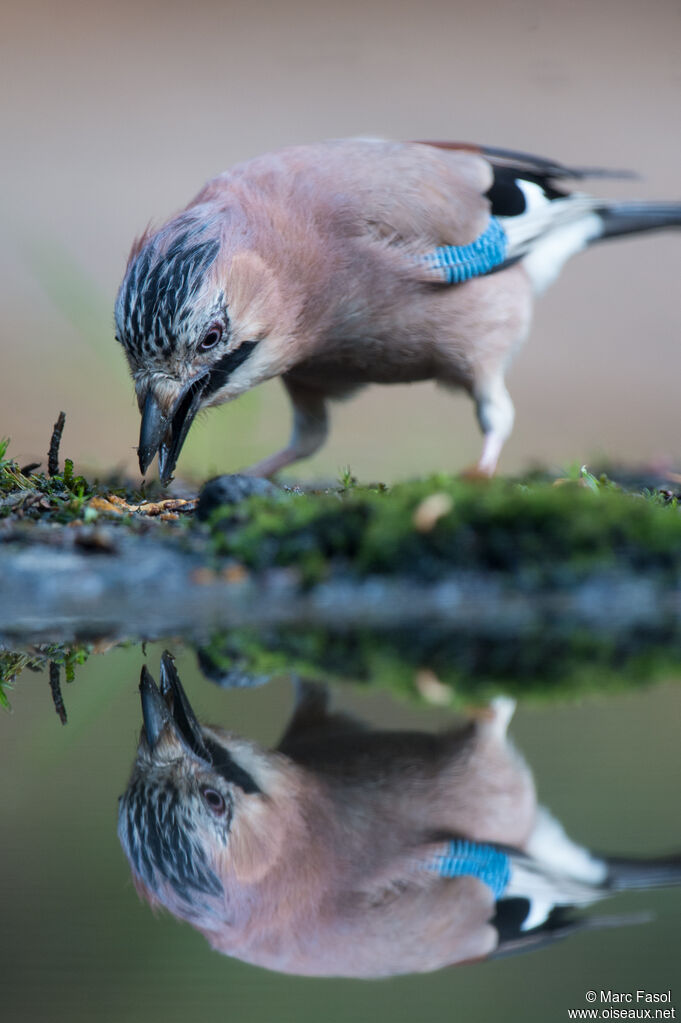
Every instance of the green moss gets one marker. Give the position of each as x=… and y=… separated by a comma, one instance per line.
x=542, y=666
x=61, y=497
x=14, y=662
x=537, y=531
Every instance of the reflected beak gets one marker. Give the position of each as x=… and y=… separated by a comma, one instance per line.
x=168, y=708
x=166, y=434
x=155, y=712
x=181, y=709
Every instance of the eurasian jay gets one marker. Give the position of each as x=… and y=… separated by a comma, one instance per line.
x=351, y=851
x=347, y=263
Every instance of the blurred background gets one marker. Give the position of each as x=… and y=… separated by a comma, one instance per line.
x=113, y=115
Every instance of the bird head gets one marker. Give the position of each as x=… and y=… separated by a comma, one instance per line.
x=200, y=318
x=198, y=821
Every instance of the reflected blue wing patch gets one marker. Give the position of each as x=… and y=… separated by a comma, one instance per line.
x=461, y=858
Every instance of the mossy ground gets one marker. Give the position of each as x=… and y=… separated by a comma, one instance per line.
x=59, y=497
x=538, y=530
x=535, y=534
x=52, y=656
x=450, y=668
x=426, y=666
x=537, y=527
x=25, y=493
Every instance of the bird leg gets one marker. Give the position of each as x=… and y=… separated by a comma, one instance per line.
x=310, y=429
x=496, y=716
x=495, y=414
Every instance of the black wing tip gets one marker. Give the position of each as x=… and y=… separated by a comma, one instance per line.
x=551, y=168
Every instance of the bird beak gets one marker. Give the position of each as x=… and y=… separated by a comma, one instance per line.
x=167, y=710
x=155, y=712
x=181, y=709
x=166, y=433
x=152, y=431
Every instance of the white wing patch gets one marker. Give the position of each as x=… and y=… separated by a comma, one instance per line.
x=550, y=231
x=551, y=252
x=550, y=844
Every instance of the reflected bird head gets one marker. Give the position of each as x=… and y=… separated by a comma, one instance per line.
x=191, y=787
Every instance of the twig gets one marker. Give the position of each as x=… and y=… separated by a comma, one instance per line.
x=56, y=690
x=53, y=453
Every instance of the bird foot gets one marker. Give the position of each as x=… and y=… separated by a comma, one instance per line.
x=476, y=473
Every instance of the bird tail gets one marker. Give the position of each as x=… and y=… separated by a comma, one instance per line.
x=603, y=876
x=638, y=875
x=545, y=886
x=620, y=218
x=548, y=234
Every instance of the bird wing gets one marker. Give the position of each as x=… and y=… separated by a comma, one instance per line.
x=486, y=887
x=447, y=902
x=455, y=210
x=443, y=212
x=406, y=919
x=530, y=164
x=412, y=928
x=398, y=192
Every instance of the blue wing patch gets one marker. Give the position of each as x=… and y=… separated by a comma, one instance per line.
x=461, y=858
x=457, y=263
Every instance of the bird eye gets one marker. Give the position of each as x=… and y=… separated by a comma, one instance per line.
x=211, y=337
x=214, y=800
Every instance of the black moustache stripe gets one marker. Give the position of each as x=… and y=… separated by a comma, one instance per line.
x=224, y=367
x=222, y=764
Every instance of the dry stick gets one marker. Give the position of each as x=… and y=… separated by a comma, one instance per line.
x=53, y=453
x=56, y=692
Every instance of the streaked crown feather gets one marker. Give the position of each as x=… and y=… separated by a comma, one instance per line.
x=156, y=301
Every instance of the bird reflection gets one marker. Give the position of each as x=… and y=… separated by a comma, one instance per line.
x=351, y=851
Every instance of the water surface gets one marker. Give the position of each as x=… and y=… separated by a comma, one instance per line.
x=77, y=943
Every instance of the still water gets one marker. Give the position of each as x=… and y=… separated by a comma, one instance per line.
x=78, y=943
